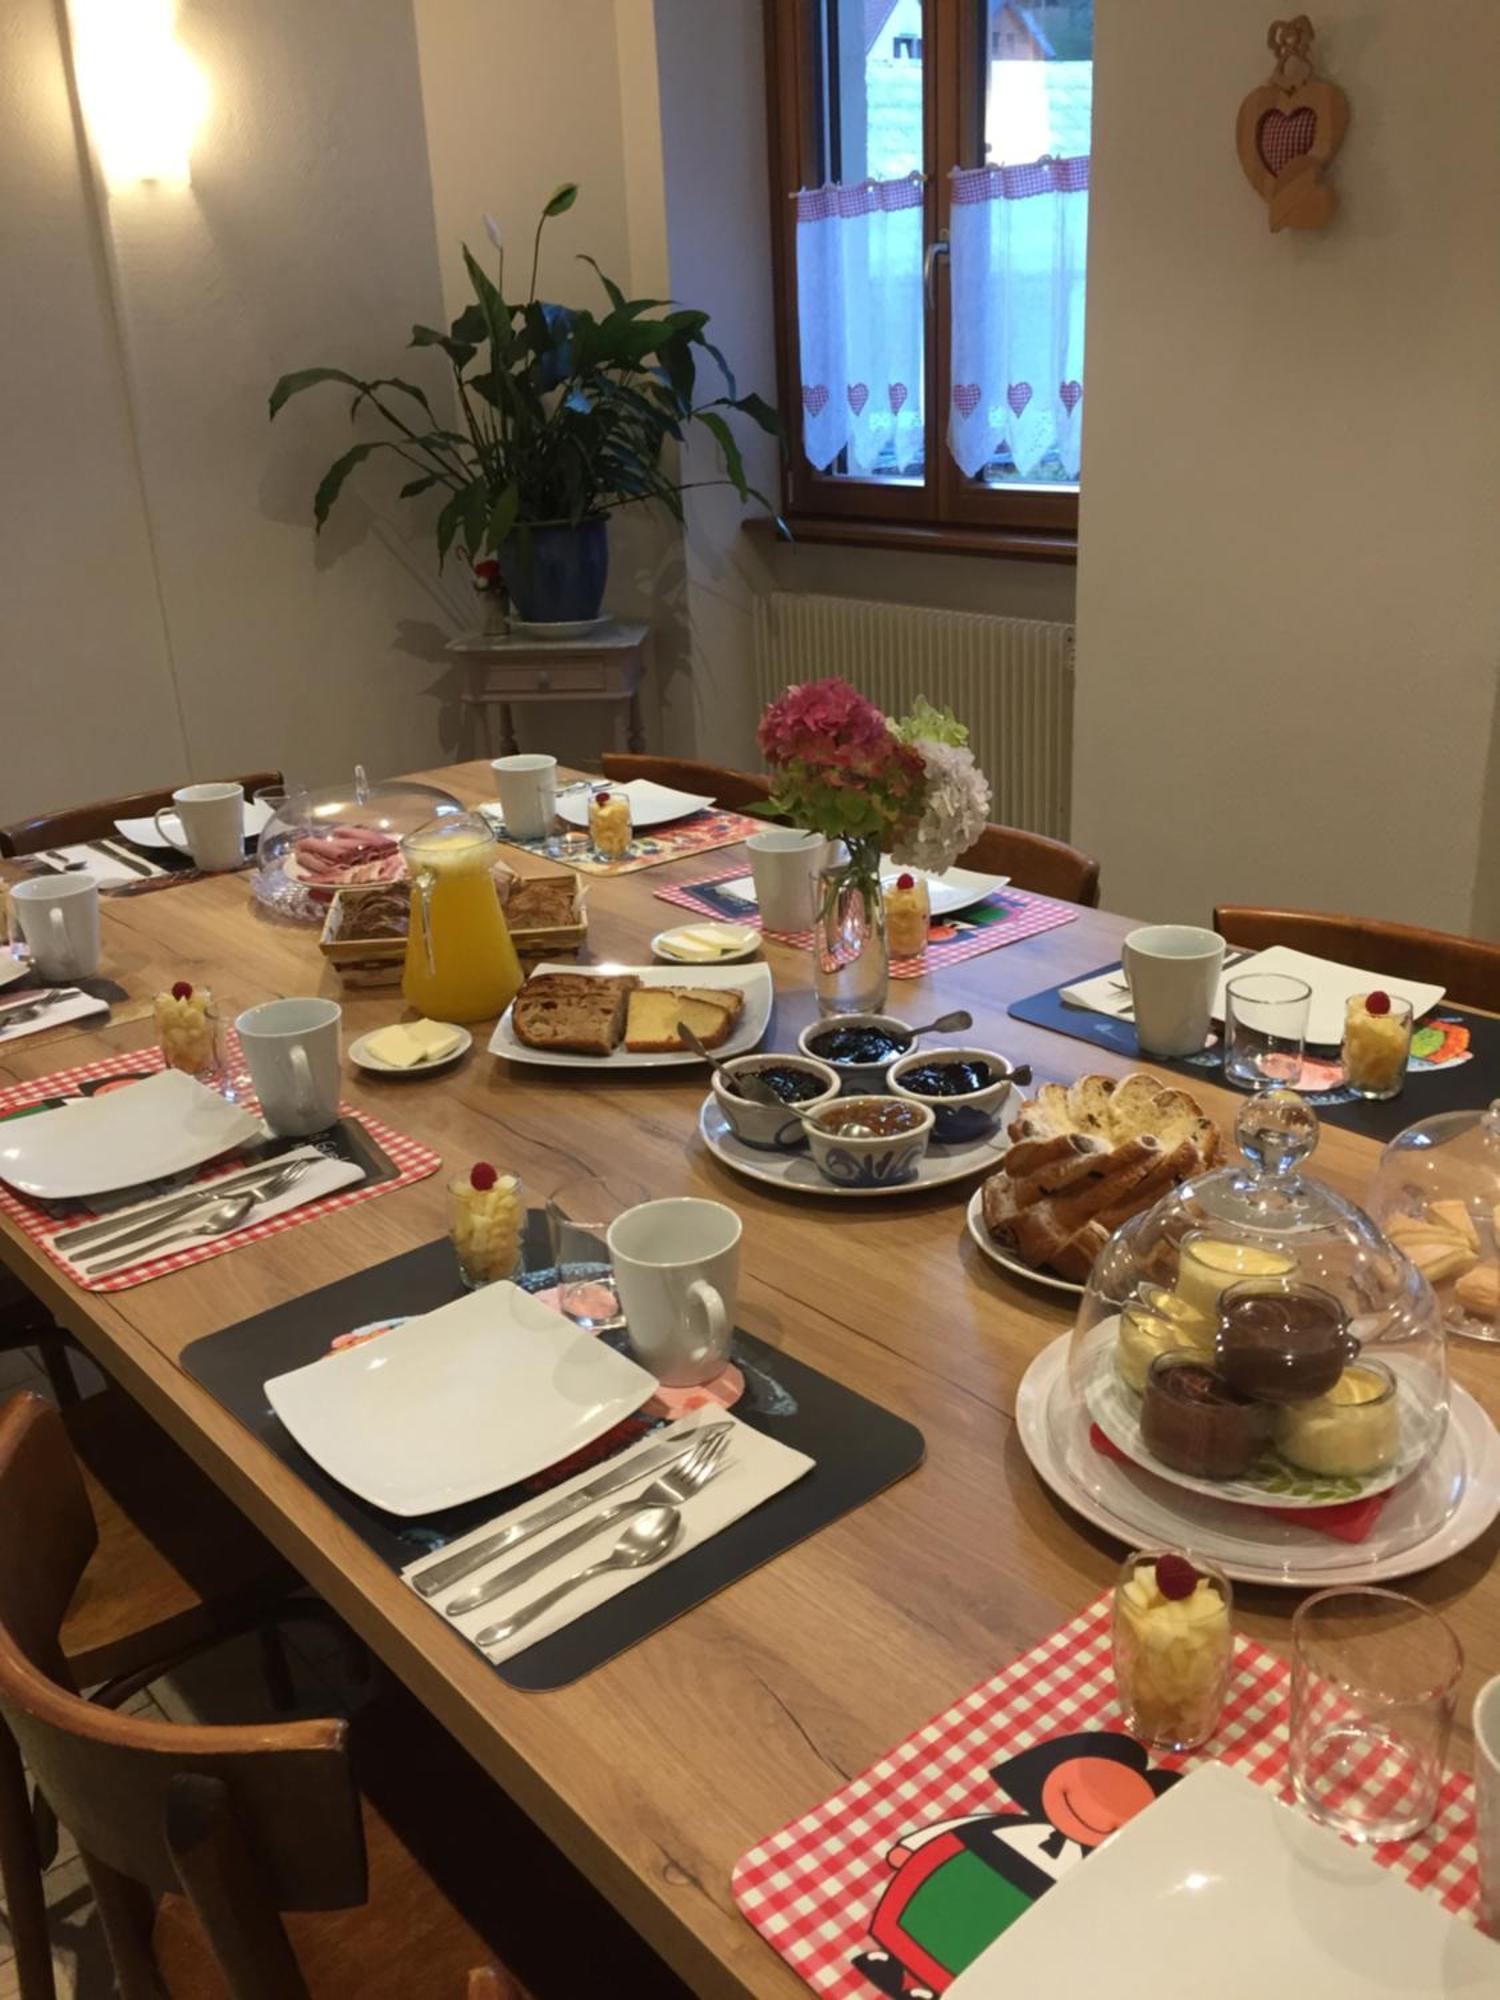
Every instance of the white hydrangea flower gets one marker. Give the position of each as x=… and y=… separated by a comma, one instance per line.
x=958, y=806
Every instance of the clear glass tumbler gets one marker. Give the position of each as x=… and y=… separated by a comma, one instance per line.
x=579, y=1212
x=1265, y=1027
x=1377, y=1043
x=1374, y=1679
x=1173, y=1647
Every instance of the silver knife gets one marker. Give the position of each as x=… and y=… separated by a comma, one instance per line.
x=121, y=859
x=624, y=1473
x=166, y=1209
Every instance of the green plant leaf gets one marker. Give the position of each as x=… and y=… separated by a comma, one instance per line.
x=333, y=479
x=308, y=378
x=502, y=517
x=759, y=411
x=448, y=524
x=367, y=391
x=471, y=325
x=415, y=486
x=459, y=352
x=734, y=464
x=562, y=199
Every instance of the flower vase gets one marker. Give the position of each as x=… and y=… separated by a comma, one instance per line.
x=851, y=965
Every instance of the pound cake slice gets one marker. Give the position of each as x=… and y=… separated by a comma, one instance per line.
x=651, y=1023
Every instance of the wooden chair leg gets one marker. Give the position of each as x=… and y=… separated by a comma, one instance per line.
x=222, y=1881
x=21, y=1874
x=53, y=1349
x=126, y=1911
x=277, y=1668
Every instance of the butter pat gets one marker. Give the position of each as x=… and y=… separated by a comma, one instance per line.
x=413, y=1042
x=703, y=943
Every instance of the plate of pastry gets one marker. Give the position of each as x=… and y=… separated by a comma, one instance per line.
x=626, y=1016
x=1007, y=1260
x=1085, y=1157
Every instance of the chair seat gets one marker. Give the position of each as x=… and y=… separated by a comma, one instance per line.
x=177, y=1564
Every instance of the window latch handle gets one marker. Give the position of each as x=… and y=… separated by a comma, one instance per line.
x=936, y=249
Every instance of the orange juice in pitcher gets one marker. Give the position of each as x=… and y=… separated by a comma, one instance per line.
x=460, y=962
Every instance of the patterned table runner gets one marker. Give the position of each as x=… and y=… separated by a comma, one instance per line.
x=854, y=1879
x=390, y=1158
x=1004, y=917
x=652, y=846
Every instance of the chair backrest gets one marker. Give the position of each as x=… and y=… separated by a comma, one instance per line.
x=247, y=1822
x=1037, y=862
x=71, y=824
x=1466, y=968
x=733, y=789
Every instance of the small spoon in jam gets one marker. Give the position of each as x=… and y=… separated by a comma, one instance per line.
x=742, y=1084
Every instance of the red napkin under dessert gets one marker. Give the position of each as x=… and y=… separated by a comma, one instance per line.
x=1350, y=1521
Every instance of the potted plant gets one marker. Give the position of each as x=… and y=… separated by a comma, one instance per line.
x=562, y=416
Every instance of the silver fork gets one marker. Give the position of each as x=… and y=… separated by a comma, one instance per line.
x=703, y=1463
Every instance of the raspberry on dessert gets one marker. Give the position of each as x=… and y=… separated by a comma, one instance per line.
x=906, y=881
x=482, y=1176
x=1175, y=1577
x=1377, y=1003
x=601, y=798
x=182, y=990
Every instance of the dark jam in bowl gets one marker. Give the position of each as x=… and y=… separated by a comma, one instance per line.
x=859, y=1045
x=792, y=1086
x=959, y=1078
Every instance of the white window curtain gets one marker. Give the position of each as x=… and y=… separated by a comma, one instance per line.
x=859, y=308
x=1017, y=247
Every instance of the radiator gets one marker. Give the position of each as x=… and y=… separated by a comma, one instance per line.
x=1009, y=679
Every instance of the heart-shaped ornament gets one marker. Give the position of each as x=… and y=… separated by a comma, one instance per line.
x=1283, y=136
x=1071, y=394
x=966, y=398
x=858, y=394
x=896, y=395
x=815, y=399
x=1288, y=131
x=1018, y=395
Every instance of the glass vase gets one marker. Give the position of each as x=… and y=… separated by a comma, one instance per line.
x=851, y=964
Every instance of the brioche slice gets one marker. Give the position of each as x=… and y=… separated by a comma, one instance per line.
x=1034, y=1156
x=654, y=1012
x=1077, y=1256
x=571, y=1013
x=1117, y=1174
x=1050, y=1108
x=999, y=1206
x=1089, y=1102
x=1037, y=1236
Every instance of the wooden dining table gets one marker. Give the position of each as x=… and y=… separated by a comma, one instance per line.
x=657, y=1770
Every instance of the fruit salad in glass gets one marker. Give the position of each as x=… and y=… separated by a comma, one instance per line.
x=1174, y=1648
x=485, y=1220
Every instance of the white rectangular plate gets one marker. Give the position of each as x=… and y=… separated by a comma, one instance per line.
x=1331, y=985
x=954, y=889
x=459, y=1402
x=1219, y=1889
x=145, y=832
x=754, y=981
x=141, y=1131
x=650, y=804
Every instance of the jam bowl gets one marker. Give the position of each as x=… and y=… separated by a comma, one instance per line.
x=967, y=1090
x=861, y=1047
x=869, y=1142
x=803, y=1084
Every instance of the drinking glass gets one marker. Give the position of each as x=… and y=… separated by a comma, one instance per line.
x=1374, y=1678
x=1376, y=1045
x=1265, y=1025
x=579, y=1213
x=1172, y=1667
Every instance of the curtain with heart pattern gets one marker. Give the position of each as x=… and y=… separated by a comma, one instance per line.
x=859, y=311
x=1017, y=244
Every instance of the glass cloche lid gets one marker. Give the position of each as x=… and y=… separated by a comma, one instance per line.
x=347, y=836
x=1251, y=1353
x=1436, y=1194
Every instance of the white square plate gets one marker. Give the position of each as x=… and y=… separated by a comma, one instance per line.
x=1331, y=985
x=650, y=804
x=954, y=889
x=1218, y=1889
x=754, y=981
x=146, y=833
x=142, y=1131
x=459, y=1402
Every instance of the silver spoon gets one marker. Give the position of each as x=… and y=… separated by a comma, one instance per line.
x=217, y=1221
x=742, y=1083
x=946, y=1024
x=266, y=1188
x=649, y=1537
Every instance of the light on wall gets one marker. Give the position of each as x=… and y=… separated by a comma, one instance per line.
x=143, y=96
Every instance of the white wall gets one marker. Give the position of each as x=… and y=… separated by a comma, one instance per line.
x=1289, y=599
x=176, y=594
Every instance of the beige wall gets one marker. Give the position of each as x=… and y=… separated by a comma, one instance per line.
x=1289, y=600
x=166, y=610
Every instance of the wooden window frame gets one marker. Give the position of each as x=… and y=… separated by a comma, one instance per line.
x=948, y=511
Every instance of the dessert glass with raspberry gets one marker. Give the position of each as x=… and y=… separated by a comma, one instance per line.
x=1174, y=1647
x=610, y=825
x=189, y=1031
x=1377, y=1043
x=485, y=1222
x=908, y=912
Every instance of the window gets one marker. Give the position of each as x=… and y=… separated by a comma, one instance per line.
x=930, y=164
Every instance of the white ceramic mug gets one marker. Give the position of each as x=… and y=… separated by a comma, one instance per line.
x=527, y=785
x=1173, y=973
x=59, y=919
x=1487, y=1801
x=784, y=862
x=292, y=1048
x=213, y=818
x=677, y=1267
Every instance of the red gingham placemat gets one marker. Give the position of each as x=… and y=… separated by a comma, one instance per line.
x=415, y=1162
x=812, y=1889
x=1029, y=915
x=651, y=846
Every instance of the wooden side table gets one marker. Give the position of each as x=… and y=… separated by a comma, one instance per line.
x=508, y=669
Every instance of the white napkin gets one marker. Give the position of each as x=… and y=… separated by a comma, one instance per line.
x=754, y=1468
x=325, y=1178
x=107, y=873
x=76, y=1009
x=1106, y=993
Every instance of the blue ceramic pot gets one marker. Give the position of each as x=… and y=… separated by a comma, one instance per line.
x=556, y=574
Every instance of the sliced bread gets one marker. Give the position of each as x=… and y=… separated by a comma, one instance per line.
x=570, y=1013
x=654, y=1012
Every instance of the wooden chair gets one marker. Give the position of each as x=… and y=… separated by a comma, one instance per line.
x=1037, y=862
x=197, y=1839
x=1467, y=968
x=732, y=789
x=69, y=825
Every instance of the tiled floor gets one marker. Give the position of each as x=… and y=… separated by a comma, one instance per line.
x=225, y=1685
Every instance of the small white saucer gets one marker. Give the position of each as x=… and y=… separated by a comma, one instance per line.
x=360, y=1056
x=662, y=945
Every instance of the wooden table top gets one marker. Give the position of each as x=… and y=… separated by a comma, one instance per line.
x=658, y=1770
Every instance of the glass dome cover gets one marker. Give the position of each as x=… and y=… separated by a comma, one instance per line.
x=1436, y=1194
x=341, y=837
x=1252, y=1351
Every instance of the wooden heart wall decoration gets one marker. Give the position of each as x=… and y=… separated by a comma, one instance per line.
x=1289, y=130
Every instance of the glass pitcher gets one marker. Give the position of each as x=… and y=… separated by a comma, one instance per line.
x=460, y=962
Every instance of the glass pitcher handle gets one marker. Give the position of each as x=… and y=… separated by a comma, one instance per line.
x=423, y=886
